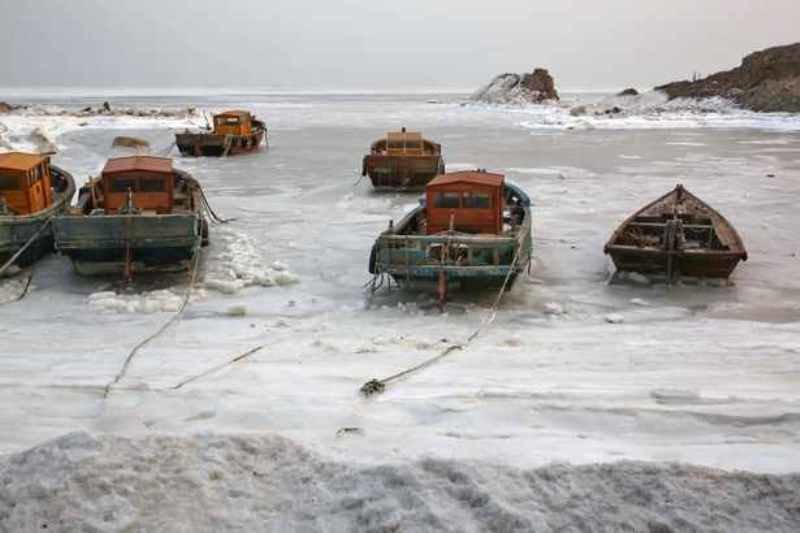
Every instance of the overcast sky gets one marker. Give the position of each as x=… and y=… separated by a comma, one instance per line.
x=375, y=44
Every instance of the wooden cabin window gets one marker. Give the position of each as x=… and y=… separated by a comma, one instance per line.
x=153, y=185
x=447, y=200
x=122, y=185
x=9, y=182
x=476, y=200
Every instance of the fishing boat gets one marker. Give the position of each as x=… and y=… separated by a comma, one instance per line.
x=139, y=215
x=403, y=160
x=234, y=132
x=32, y=192
x=677, y=235
x=472, y=227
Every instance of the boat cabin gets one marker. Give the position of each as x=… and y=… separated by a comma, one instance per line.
x=472, y=199
x=400, y=143
x=234, y=122
x=25, y=183
x=150, y=180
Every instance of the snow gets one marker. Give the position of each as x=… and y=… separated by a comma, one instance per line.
x=256, y=483
x=694, y=373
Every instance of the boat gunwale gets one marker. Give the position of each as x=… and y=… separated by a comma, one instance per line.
x=611, y=244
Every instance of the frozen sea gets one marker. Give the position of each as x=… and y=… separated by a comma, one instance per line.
x=573, y=370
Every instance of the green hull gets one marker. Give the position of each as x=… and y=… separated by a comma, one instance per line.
x=476, y=260
x=100, y=244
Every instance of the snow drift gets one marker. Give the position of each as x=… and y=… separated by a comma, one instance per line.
x=267, y=483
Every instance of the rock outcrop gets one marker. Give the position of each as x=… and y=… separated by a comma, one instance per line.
x=535, y=87
x=768, y=80
x=628, y=92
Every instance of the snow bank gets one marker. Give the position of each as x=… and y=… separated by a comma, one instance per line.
x=266, y=483
x=236, y=263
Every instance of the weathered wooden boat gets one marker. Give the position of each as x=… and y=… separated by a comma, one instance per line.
x=32, y=192
x=140, y=215
x=234, y=132
x=472, y=227
x=678, y=234
x=403, y=160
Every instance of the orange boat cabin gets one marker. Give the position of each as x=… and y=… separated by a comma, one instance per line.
x=150, y=180
x=25, y=183
x=233, y=123
x=473, y=200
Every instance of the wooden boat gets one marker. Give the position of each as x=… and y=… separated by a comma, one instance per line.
x=403, y=160
x=234, y=132
x=140, y=215
x=472, y=227
x=32, y=192
x=678, y=234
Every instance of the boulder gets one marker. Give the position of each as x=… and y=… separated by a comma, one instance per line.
x=5, y=108
x=768, y=80
x=578, y=111
x=628, y=92
x=509, y=88
x=129, y=142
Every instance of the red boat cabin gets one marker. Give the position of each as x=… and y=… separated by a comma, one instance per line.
x=25, y=182
x=473, y=199
x=150, y=179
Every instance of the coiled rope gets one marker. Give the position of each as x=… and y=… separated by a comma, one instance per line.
x=377, y=386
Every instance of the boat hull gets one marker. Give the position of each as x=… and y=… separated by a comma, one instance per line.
x=102, y=244
x=677, y=235
x=692, y=264
x=15, y=231
x=389, y=172
x=476, y=261
x=211, y=145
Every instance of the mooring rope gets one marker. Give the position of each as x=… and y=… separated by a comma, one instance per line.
x=216, y=368
x=27, y=286
x=377, y=386
x=211, y=214
x=25, y=246
x=163, y=328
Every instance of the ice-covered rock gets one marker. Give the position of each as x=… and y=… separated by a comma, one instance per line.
x=535, y=87
x=614, y=318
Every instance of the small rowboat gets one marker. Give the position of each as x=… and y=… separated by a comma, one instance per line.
x=473, y=228
x=32, y=192
x=141, y=215
x=678, y=234
x=403, y=160
x=234, y=132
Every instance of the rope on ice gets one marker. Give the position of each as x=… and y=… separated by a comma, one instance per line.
x=163, y=328
x=377, y=386
x=211, y=370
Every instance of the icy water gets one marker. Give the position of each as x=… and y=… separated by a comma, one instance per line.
x=695, y=373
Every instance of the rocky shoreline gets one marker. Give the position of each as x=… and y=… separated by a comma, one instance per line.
x=105, y=109
x=768, y=80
